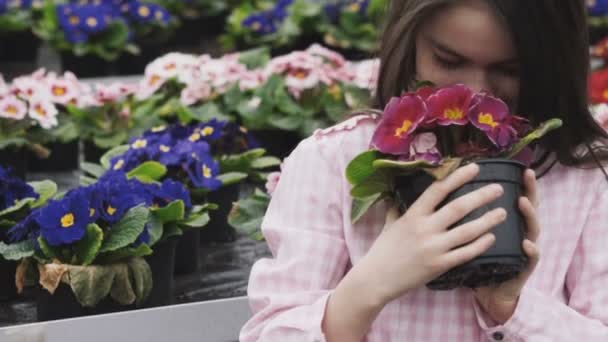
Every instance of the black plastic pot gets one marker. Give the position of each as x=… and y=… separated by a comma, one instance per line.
x=8, y=290
x=18, y=53
x=16, y=159
x=187, y=254
x=162, y=264
x=218, y=229
x=88, y=66
x=92, y=153
x=63, y=157
x=506, y=258
x=278, y=143
x=63, y=304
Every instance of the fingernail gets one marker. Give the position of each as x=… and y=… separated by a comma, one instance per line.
x=497, y=188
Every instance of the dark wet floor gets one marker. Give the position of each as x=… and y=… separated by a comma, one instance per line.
x=224, y=270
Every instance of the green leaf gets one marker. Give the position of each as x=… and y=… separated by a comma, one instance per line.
x=87, y=249
x=209, y=111
x=265, y=162
x=18, y=250
x=361, y=167
x=122, y=289
x=126, y=231
x=123, y=254
x=247, y=214
x=115, y=152
x=148, y=170
x=287, y=123
x=232, y=178
x=91, y=284
x=361, y=205
x=108, y=141
x=46, y=189
x=255, y=58
x=49, y=251
x=142, y=279
x=541, y=131
x=155, y=229
x=18, y=206
x=94, y=170
x=379, y=182
x=170, y=230
x=174, y=211
x=196, y=221
x=402, y=165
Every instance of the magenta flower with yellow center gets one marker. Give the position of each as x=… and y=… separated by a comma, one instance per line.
x=450, y=106
x=491, y=115
x=401, y=117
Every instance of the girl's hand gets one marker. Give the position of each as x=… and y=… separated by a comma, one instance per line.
x=500, y=301
x=418, y=247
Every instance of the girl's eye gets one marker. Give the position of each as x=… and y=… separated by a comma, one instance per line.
x=448, y=64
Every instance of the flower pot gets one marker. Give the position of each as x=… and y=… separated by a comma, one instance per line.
x=128, y=64
x=278, y=143
x=87, y=66
x=18, y=53
x=16, y=159
x=92, y=153
x=187, y=254
x=63, y=157
x=506, y=258
x=218, y=229
x=8, y=290
x=63, y=304
x=162, y=265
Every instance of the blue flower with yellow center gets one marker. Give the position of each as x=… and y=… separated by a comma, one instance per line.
x=170, y=191
x=119, y=194
x=27, y=229
x=261, y=23
x=144, y=12
x=203, y=172
x=64, y=221
x=211, y=130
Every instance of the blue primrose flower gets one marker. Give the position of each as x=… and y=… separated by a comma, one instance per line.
x=210, y=131
x=261, y=23
x=147, y=12
x=13, y=189
x=163, y=151
x=170, y=191
x=597, y=8
x=120, y=194
x=203, y=172
x=64, y=221
x=27, y=229
x=80, y=21
x=143, y=238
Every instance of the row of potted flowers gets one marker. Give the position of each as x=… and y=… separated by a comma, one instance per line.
x=289, y=96
x=113, y=243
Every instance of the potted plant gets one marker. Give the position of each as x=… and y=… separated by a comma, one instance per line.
x=88, y=245
x=353, y=26
x=17, y=201
x=60, y=135
x=424, y=136
x=282, y=24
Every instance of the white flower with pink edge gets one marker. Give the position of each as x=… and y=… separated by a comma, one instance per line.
x=28, y=87
x=366, y=74
x=44, y=112
x=335, y=59
x=12, y=108
x=171, y=65
x=149, y=85
x=195, y=93
x=113, y=92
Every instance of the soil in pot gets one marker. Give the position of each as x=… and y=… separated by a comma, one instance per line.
x=63, y=157
x=506, y=258
x=162, y=264
x=187, y=254
x=218, y=229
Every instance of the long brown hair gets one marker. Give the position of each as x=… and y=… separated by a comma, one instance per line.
x=551, y=39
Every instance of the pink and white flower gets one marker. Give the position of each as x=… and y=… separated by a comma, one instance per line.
x=424, y=147
x=171, y=65
x=149, y=85
x=12, y=108
x=63, y=91
x=113, y=92
x=366, y=74
x=27, y=87
x=44, y=112
x=4, y=88
x=334, y=58
x=195, y=93
x=252, y=79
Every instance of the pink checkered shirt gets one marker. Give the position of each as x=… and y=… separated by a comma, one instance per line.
x=314, y=244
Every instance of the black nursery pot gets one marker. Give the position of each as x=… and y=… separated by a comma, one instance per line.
x=92, y=153
x=18, y=53
x=16, y=159
x=8, y=290
x=506, y=258
x=162, y=264
x=63, y=304
x=218, y=229
x=187, y=254
x=278, y=143
x=63, y=157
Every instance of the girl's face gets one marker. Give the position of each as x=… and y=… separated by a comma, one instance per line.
x=466, y=43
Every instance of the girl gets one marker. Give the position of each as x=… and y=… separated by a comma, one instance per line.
x=335, y=281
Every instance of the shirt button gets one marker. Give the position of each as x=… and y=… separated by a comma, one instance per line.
x=498, y=336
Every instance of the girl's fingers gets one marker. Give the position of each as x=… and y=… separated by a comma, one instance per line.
x=466, y=253
x=470, y=231
x=439, y=190
x=462, y=206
